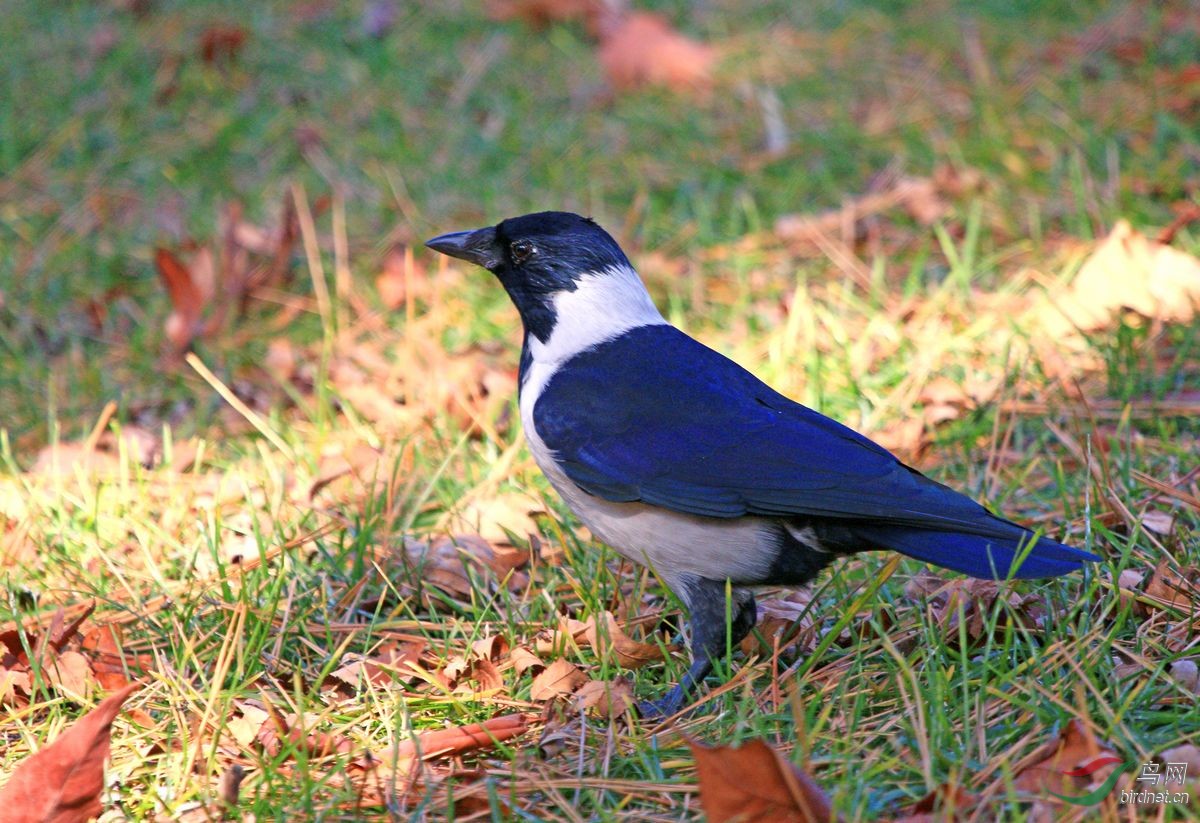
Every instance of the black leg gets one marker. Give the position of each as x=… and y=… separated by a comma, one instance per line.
x=705, y=600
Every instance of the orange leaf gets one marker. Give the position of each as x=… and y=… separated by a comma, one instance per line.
x=754, y=784
x=62, y=782
x=643, y=50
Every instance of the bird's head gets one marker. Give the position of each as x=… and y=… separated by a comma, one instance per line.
x=541, y=258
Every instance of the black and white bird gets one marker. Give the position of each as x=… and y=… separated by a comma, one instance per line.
x=682, y=460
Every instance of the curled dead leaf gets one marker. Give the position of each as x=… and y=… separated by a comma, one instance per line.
x=524, y=660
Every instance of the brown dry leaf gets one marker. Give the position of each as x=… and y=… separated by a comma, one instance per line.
x=1179, y=588
x=443, y=563
x=523, y=660
x=1189, y=754
x=1075, y=750
x=1126, y=271
x=278, y=729
x=628, y=653
x=569, y=635
x=643, y=49
x=360, y=461
x=606, y=698
x=63, y=781
x=451, y=742
x=752, y=783
x=280, y=360
x=976, y=599
x=458, y=740
x=493, y=647
x=393, y=661
x=15, y=686
x=560, y=679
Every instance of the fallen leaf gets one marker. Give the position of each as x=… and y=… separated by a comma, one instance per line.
x=1158, y=521
x=247, y=724
x=110, y=664
x=497, y=517
x=606, y=698
x=71, y=674
x=15, y=686
x=1070, y=765
x=1187, y=674
x=183, y=324
x=444, y=563
x=973, y=601
x=569, y=635
x=62, y=782
x=1179, y=588
x=787, y=618
x=392, y=662
x=642, y=49
x=628, y=653
x=1127, y=271
x=524, y=660
x=752, y=783
x=559, y=679
x=492, y=647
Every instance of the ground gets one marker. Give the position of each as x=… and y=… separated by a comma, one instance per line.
x=243, y=410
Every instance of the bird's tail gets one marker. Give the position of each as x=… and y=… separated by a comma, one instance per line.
x=1024, y=555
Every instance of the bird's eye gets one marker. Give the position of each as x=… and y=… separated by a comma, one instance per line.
x=522, y=250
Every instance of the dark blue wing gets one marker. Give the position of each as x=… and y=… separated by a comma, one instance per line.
x=655, y=416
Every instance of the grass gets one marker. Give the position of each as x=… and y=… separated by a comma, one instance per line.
x=245, y=588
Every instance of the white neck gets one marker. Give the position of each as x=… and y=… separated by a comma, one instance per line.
x=604, y=305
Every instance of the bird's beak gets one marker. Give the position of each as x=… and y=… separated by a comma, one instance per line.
x=476, y=246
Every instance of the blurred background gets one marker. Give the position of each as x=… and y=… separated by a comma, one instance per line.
x=130, y=125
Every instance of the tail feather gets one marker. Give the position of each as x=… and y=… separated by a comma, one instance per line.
x=985, y=557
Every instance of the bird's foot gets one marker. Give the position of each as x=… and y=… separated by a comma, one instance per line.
x=657, y=710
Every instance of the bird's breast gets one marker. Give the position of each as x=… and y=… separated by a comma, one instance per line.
x=674, y=544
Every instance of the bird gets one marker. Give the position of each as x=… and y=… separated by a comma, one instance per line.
x=685, y=462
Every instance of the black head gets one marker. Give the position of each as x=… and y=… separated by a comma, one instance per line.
x=536, y=256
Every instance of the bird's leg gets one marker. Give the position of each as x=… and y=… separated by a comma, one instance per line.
x=706, y=601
